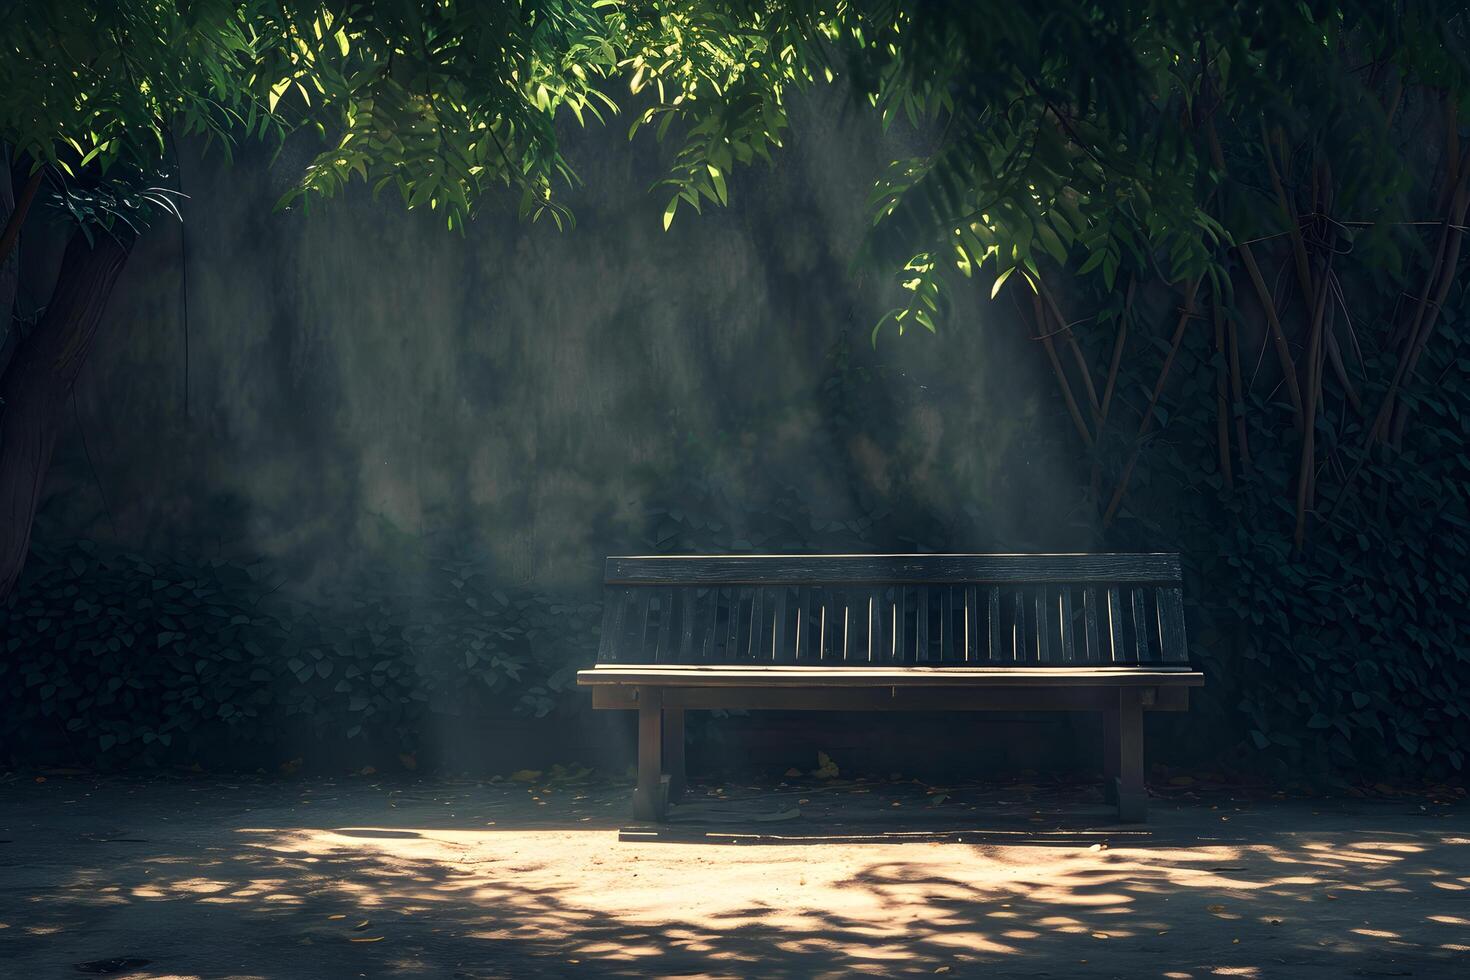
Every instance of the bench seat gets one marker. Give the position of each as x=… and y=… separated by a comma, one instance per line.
x=781, y=675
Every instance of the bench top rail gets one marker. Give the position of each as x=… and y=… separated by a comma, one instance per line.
x=835, y=611
x=889, y=569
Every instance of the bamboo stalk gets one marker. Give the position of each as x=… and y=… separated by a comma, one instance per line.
x=1237, y=396
x=1307, y=460
x=1438, y=281
x=1339, y=370
x=1065, y=330
x=1056, y=366
x=1278, y=335
x=1148, y=415
x=1447, y=279
x=1118, y=342
x=1222, y=410
x=1293, y=221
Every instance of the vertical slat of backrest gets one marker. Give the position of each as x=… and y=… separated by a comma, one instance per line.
x=612, y=605
x=1092, y=649
x=878, y=652
x=1116, y=650
x=972, y=624
x=844, y=629
x=1065, y=614
x=946, y=625
x=856, y=612
x=838, y=619
x=780, y=650
x=1044, y=625
x=803, y=644
x=708, y=613
x=822, y=626
x=758, y=643
x=995, y=651
x=815, y=614
x=742, y=624
x=1172, y=644
x=634, y=622
x=718, y=626
x=662, y=651
x=1141, y=630
x=898, y=626
x=1018, y=625
x=732, y=625
x=922, y=653
x=687, y=601
x=893, y=625
x=910, y=622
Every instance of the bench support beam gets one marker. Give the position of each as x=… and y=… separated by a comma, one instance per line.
x=1129, y=791
x=650, y=799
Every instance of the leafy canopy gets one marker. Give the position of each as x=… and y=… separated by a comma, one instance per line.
x=1053, y=127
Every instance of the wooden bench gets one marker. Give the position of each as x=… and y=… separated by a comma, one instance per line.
x=1080, y=632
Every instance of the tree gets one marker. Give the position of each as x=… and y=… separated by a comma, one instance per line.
x=444, y=102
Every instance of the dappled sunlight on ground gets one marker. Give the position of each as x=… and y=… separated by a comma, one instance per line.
x=464, y=880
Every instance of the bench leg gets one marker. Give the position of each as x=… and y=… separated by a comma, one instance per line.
x=648, y=798
x=1132, y=796
x=1110, y=752
x=673, y=748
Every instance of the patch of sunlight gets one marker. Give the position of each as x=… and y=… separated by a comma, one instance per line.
x=1021, y=934
x=1067, y=894
x=1236, y=971
x=148, y=891
x=1377, y=933
x=1386, y=846
x=1448, y=886
x=970, y=942
x=1449, y=920
x=199, y=886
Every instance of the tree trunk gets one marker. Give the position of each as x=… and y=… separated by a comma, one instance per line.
x=38, y=381
x=9, y=268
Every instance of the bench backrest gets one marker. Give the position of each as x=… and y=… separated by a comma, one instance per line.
x=930, y=610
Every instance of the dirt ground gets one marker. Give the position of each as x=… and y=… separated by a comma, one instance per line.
x=356, y=877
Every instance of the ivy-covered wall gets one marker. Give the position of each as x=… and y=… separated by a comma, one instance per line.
x=349, y=471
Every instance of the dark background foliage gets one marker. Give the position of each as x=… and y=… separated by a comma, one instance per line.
x=1242, y=233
